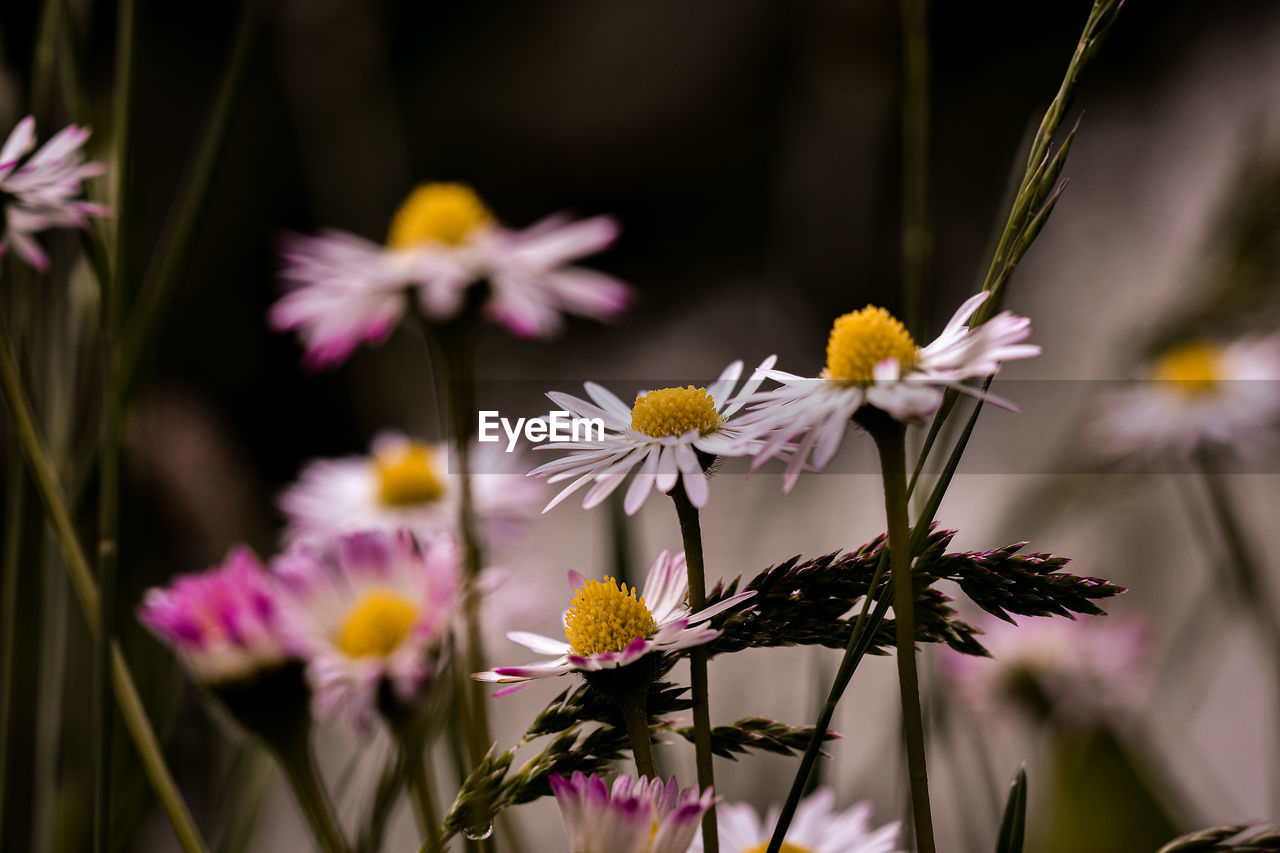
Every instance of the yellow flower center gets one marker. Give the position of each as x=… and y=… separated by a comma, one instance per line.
x=377, y=624
x=787, y=847
x=674, y=411
x=407, y=476
x=1193, y=368
x=862, y=339
x=606, y=617
x=438, y=213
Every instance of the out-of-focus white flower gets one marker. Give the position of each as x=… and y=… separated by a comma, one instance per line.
x=817, y=828
x=41, y=191
x=872, y=361
x=608, y=626
x=372, y=606
x=224, y=623
x=409, y=485
x=635, y=816
x=347, y=290
x=1075, y=669
x=1198, y=396
x=661, y=434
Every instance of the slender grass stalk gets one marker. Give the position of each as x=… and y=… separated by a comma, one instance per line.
x=50, y=705
x=113, y=293
x=299, y=768
x=859, y=642
x=178, y=240
x=45, y=477
x=691, y=533
x=890, y=442
x=424, y=807
x=15, y=495
x=916, y=248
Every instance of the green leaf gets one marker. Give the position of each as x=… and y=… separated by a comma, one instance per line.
x=1013, y=826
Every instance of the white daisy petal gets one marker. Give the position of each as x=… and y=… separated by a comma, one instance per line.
x=893, y=376
x=663, y=602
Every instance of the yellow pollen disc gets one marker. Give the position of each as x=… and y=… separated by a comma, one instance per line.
x=606, y=617
x=1193, y=368
x=407, y=476
x=862, y=339
x=787, y=847
x=377, y=624
x=674, y=411
x=437, y=213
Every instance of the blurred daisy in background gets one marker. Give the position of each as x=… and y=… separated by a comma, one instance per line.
x=817, y=828
x=1198, y=396
x=671, y=435
x=41, y=191
x=873, y=361
x=1077, y=670
x=634, y=816
x=346, y=290
x=411, y=485
x=608, y=625
x=371, y=607
x=224, y=624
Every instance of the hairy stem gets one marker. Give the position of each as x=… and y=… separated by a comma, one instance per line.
x=691, y=532
x=637, y=718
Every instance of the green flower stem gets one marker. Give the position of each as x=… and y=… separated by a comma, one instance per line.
x=294, y=755
x=424, y=807
x=1246, y=573
x=859, y=640
x=109, y=426
x=14, y=497
x=452, y=350
x=691, y=532
x=890, y=436
x=45, y=477
x=636, y=716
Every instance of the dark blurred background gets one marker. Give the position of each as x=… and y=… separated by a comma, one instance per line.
x=751, y=150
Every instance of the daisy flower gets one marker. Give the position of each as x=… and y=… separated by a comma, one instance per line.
x=1200, y=396
x=406, y=484
x=41, y=191
x=224, y=623
x=609, y=626
x=1079, y=669
x=636, y=815
x=347, y=290
x=872, y=361
x=670, y=435
x=371, y=608
x=817, y=828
